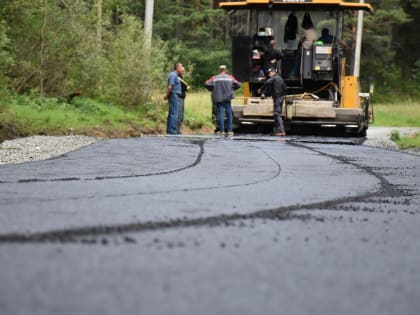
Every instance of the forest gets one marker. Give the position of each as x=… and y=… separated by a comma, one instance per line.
x=95, y=48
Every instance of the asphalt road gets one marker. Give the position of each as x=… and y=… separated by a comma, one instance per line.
x=195, y=225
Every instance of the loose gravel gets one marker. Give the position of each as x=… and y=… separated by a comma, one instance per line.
x=381, y=137
x=45, y=147
x=40, y=147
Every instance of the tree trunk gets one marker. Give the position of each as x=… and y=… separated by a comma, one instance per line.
x=42, y=50
x=99, y=36
x=99, y=24
x=148, y=24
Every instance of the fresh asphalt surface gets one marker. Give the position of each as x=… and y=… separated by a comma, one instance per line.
x=206, y=225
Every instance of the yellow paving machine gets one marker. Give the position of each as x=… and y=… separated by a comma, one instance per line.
x=323, y=89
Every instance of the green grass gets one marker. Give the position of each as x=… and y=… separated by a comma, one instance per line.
x=405, y=114
x=28, y=116
x=22, y=115
x=197, y=111
x=412, y=141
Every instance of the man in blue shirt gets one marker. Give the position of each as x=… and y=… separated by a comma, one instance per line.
x=173, y=93
x=184, y=89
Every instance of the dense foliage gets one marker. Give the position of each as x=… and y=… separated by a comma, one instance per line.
x=391, y=56
x=96, y=47
x=62, y=48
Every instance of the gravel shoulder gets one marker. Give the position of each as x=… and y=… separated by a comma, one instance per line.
x=45, y=147
x=381, y=137
x=40, y=147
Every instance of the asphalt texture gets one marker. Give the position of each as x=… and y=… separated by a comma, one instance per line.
x=207, y=225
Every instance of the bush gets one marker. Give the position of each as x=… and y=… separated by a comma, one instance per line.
x=129, y=71
x=5, y=61
x=395, y=135
x=391, y=86
x=114, y=67
x=416, y=72
x=199, y=66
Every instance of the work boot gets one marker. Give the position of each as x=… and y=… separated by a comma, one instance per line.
x=279, y=134
x=229, y=134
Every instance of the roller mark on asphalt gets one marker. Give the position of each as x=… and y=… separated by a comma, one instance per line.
x=279, y=213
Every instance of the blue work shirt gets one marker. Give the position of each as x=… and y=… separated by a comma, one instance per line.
x=173, y=79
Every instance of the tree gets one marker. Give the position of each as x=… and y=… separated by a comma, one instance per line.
x=407, y=50
x=61, y=47
x=194, y=33
x=126, y=78
x=380, y=43
x=6, y=59
x=5, y=54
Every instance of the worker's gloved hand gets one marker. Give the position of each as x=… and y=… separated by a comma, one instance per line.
x=263, y=96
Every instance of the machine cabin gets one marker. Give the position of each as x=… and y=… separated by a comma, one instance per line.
x=254, y=23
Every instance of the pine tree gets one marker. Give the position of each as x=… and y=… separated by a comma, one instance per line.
x=380, y=42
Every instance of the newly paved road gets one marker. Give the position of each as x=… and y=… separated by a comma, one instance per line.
x=177, y=225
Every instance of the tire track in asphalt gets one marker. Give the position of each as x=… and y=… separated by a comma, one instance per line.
x=196, y=163
x=279, y=213
x=199, y=143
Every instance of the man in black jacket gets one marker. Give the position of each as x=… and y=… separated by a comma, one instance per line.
x=275, y=87
x=271, y=55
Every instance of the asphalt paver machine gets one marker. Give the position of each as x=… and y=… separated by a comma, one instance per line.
x=325, y=91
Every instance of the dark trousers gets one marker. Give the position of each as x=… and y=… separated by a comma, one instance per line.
x=171, y=126
x=180, y=118
x=278, y=121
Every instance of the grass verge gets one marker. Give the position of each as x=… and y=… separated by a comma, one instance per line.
x=23, y=115
x=404, y=114
x=197, y=110
x=412, y=141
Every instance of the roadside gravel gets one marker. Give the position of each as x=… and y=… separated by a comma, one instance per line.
x=45, y=147
x=40, y=147
x=381, y=137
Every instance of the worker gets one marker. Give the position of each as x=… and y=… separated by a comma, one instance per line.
x=173, y=94
x=271, y=55
x=326, y=37
x=262, y=38
x=222, y=86
x=275, y=87
x=181, y=99
x=257, y=68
